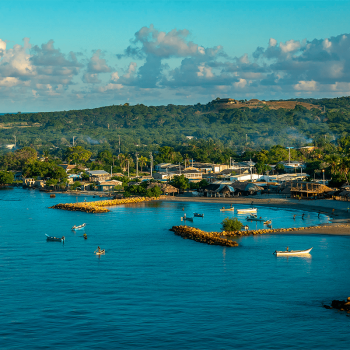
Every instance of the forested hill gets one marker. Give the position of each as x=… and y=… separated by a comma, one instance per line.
x=150, y=127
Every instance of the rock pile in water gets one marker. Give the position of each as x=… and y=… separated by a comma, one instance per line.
x=99, y=206
x=197, y=235
x=342, y=305
x=217, y=237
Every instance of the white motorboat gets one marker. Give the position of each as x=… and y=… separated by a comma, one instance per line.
x=78, y=227
x=247, y=211
x=292, y=252
x=254, y=217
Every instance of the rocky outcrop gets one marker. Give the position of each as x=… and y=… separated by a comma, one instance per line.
x=342, y=305
x=213, y=238
x=99, y=206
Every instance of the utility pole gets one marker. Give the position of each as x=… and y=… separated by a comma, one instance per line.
x=73, y=140
x=119, y=144
x=137, y=164
x=289, y=154
x=15, y=140
x=151, y=159
x=324, y=181
x=111, y=171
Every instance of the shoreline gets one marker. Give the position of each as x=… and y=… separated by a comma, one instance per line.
x=324, y=206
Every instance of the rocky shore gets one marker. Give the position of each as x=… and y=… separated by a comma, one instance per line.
x=99, y=206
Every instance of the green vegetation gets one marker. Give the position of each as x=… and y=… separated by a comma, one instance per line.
x=142, y=190
x=231, y=224
x=145, y=129
x=6, y=177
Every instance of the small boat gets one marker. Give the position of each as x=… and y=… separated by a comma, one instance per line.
x=292, y=252
x=54, y=239
x=189, y=219
x=198, y=215
x=254, y=217
x=228, y=209
x=101, y=252
x=267, y=222
x=85, y=236
x=78, y=227
x=246, y=211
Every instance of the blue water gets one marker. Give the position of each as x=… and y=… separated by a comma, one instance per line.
x=155, y=290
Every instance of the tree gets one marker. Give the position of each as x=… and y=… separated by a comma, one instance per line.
x=6, y=177
x=78, y=154
x=142, y=160
x=231, y=224
x=76, y=185
x=180, y=182
x=279, y=168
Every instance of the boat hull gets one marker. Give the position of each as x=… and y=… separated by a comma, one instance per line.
x=246, y=211
x=78, y=227
x=229, y=209
x=292, y=252
x=198, y=215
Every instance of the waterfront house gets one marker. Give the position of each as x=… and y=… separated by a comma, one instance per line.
x=28, y=182
x=245, y=177
x=108, y=185
x=98, y=175
x=308, y=189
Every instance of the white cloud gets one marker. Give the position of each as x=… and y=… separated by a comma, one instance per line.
x=272, y=42
x=306, y=86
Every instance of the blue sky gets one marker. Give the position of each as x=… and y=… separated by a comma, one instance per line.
x=57, y=55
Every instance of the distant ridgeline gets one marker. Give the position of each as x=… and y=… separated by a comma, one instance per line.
x=233, y=123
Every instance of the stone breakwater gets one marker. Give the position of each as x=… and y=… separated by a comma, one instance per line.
x=197, y=235
x=216, y=238
x=99, y=206
x=279, y=230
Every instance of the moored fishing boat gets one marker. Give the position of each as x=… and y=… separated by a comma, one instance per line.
x=54, y=239
x=100, y=252
x=267, y=222
x=227, y=209
x=198, y=215
x=254, y=217
x=78, y=227
x=247, y=211
x=292, y=252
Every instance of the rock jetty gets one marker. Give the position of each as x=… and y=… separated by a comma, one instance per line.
x=100, y=206
x=342, y=305
x=197, y=235
x=218, y=238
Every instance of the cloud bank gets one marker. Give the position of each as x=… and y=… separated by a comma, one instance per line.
x=165, y=67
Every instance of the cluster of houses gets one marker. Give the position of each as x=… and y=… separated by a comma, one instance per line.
x=235, y=179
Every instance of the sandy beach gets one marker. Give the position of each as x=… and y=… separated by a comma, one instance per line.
x=338, y=211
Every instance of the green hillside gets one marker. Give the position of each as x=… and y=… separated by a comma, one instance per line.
x=146, y=128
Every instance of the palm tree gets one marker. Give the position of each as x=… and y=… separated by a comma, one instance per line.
x=123, y=159
x=333, y=161
x=142, y=160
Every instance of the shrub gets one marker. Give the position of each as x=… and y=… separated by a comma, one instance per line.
x=231, y=224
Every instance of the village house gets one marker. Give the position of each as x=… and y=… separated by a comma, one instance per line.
x=98, y=175
x=108, y=185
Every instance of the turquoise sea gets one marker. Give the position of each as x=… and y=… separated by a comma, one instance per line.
x=155, y=290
